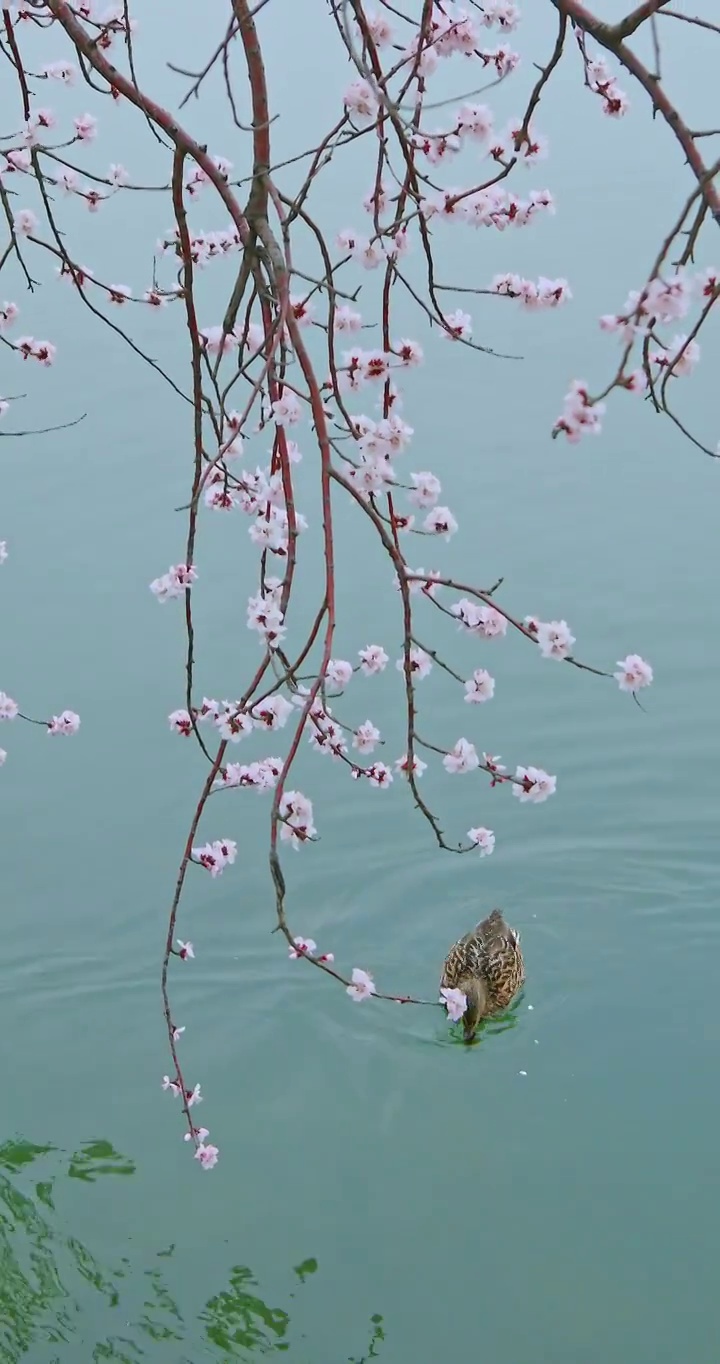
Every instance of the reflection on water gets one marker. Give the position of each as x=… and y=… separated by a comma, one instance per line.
x=44, y=1274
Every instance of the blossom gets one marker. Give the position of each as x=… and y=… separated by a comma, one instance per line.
x=216, y=856
x=633, y=673
x=177, y=1034
x=233, y=724
x=533, y=784
x=273, y=713
x=455, y=1002
x=366, y=737
x=85, y=127
x=462, y=758
x=207, y=1155
x=458, y=326
x=296, y=813
x=480, y=687
x=426, y=491
x=581, y=415
x=3, y=756
x=681, y=356
x=8, y=707
x=172, y=1085
x=8, y=313
x=480, y=620
x=440, y=521
x=302, y=947
x=66, y=723
x=174, y=582
x=185, y=950
x=410, y=353
x=59, y=71
x=360, y=99
x=420, y=663
x=402, y=765
x=475, y=121
x=338, y=672
x=25, y=221
x=379, y=775
x=373, y=660
x=193, y=1096
x=198, y=1133
x=217, y=340
x=346, y=319
x=362, y=986
x=287, y=410
x=484, y=840
x=554, y=638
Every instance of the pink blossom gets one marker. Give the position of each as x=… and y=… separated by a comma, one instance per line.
x=296, y=814
x=207, y=1155
x=119, y=294
x=455, y=1003
x=458, y=326
x=533, y=784
x=633, y=673
x=85, y=127
x=362, y=986
x=272, y=713
x=233, y=724
x=25, y=221
x=373, y=660
x=197, y=1134
x=177, y=1034
x=287, y=411
x=440, y=521
x=480, y=687
x=366, y=737
x=346, y=319
x=681, y=356
x=30, y=349
x=402, y=765
x=218, y=342
x=8, y=707
x=379, y=775
x=462, y=758
x=426, y=491
x=302, y=310
x=368, y=254
x=338, y=672
x=215, y=857
x=172, y=1085
x=410, y=353
x=66, y=723
x=420, y=664
x=8, y=313
x=380, y=29
x=193, y=1096
x=60, y=71
x=174, y=582
x=484, y=840
x=3, y=756
x=185, y=950
x=3, y=551
x=303, y=947
x=475, y=121
x=554, y=638
x=360, y=100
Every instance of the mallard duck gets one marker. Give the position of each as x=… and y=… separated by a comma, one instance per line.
x=487, y=965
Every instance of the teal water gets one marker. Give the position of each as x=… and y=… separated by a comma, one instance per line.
x=380, y=1192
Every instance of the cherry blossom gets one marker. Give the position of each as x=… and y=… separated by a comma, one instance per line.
x=207, y=1155
x=373, y=660
x=440, y=521
x=633, y=673
x=173, y=583
x=455, y=1003
x=233, y=724
x=420, y=664
x=3, y=756
x=303, y=947
x=8, y=707
x=338, y=672
x=484, y=840
x=361, y=101
x=533, y=784
x=458, y=326
x=185, y=950
x=287, y=410
x=480, y=687
x=65, y=723
x=462, y=758
x=554, y=638
x=296, y=813
x=215, y=857
x=379, y=775
x=272, y=713
x=363, y=985
x=418, y=766
x=366, y=737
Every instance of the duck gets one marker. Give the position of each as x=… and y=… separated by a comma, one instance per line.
x=487, y=965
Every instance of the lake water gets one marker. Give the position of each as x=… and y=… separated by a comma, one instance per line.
x=381, y=1193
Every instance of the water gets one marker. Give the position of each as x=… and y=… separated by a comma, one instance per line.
x=381, y=1193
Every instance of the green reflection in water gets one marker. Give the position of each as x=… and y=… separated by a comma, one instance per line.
x=38, y=1309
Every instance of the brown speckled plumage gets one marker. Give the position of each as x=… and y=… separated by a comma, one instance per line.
x=487, y=965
